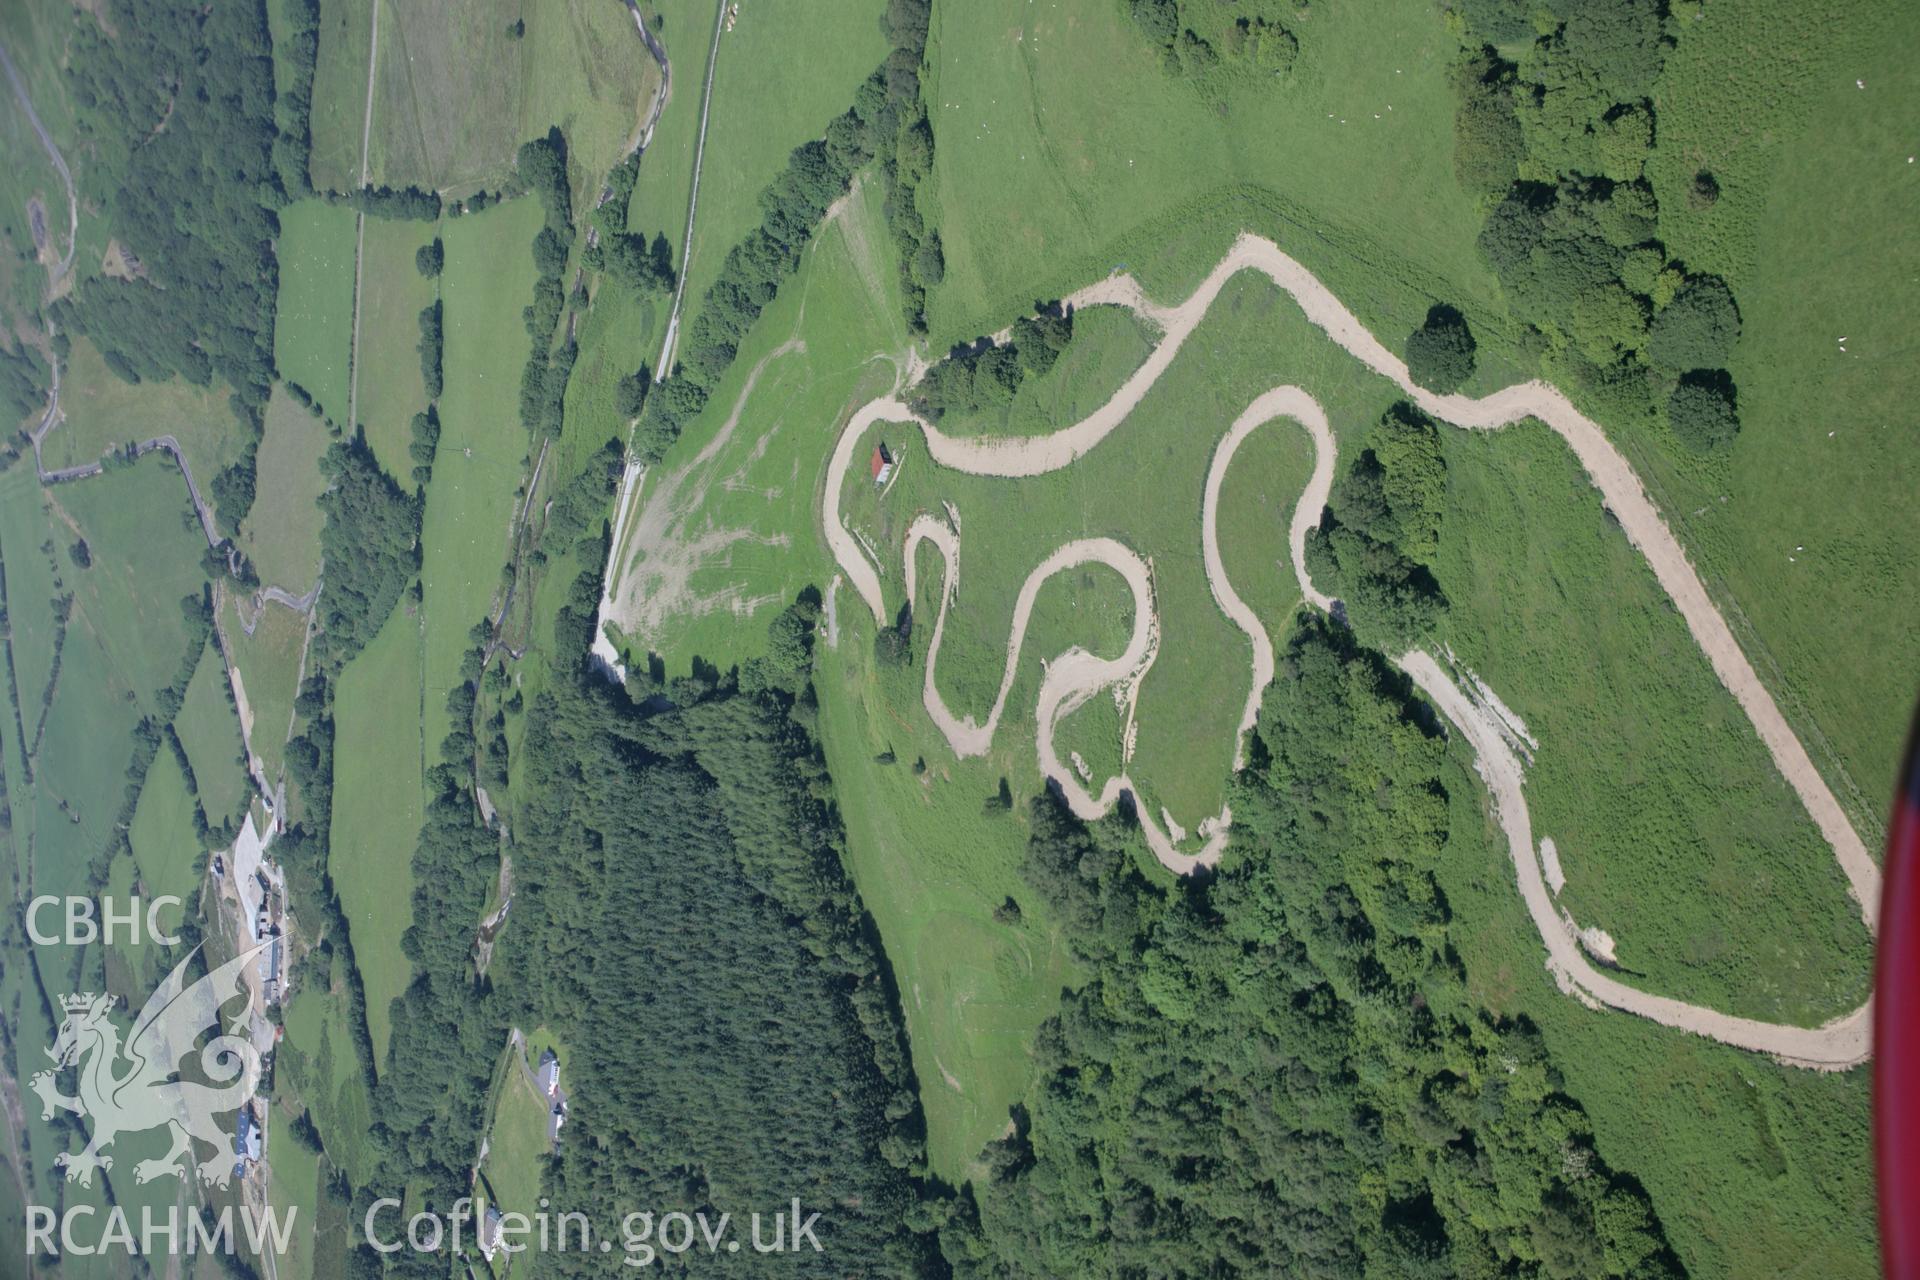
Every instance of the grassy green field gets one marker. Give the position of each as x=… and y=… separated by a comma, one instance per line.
x=146, y=556
x=269, y=666
x=1686, y=815
x=103, y=412
x=1738, y=87
x=1062, y=181
x=340, y=93
x=313, y=324
x=764, y=483
x=1257, y=498
x=1805, y=532
x=932, y=865
x=1095, y=732
x=659, y=200
x=1676, y=833
x=166, y=851
x=318, y=1058
x=281, y=534
x=580, y=66
x=621, y=331
x=123, y=640
x=1042, y=170
x=376, y=809
x=167, y=859
x=1143, y=486
x=783, y=72
x=429, y=61
x=1109, y=343
x=483, y=455
x=295, y=1185
x=392, y=295
x=1751, y=1165
x=210, y=732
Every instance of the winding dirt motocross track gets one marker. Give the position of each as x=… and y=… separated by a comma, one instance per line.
x=1077, y=675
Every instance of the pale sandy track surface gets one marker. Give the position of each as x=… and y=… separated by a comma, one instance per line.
x=1841, y=1043
x=1077, y=675
x=1281, y=402
x=1071, y=678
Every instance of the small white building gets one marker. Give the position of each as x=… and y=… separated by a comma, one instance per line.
x=492, y=1232
x=547, y=1076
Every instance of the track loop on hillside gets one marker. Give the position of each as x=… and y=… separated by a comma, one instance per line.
x=1077, y=675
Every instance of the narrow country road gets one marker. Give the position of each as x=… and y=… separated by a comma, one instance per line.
x=634, y=473
x=59, y=163
x=360, y=226
x=276, y=595
x=664, y=367
x=1077, y=675
x=140, y=450
x=208, y=527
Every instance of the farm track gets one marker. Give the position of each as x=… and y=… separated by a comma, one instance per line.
x=633, y=473
x=664, y=366
x=167, y=443
x=1077, y=675
x=59, y=163
x=360, y=226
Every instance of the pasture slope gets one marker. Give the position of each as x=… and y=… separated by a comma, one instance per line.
x=377, y=806
x=1038, y=161
x=484, y=452
x=782, y=73
x=713, y=525
x=1841, y=1043
x=313, y=324
x=1808, y=534
x=281, y=533
x=101, y=411
x=391, y=388
x=340, y=93
x=457, y=91
x=93, y=644
x=209, y=731
x=1065, y=180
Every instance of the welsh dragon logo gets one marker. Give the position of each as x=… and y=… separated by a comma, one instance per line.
x=135, y=1087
